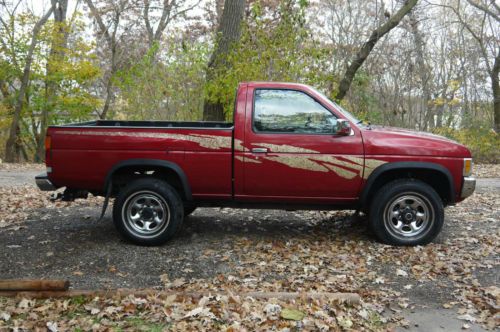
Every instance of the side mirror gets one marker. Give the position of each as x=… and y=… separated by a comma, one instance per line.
x=343, y=128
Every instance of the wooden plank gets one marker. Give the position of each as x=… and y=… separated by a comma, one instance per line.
x=34, y=285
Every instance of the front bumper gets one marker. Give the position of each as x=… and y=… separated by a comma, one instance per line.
x=43, y=182
x=468, y=187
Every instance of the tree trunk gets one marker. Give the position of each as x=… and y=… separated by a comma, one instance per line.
x=495, y=85
x=112, y=43
x=422, y=69
x=109, y=83
x=368, y=46
x=59, y=41
x=109, y=95
x=154, y=36
x=13, y=144
x=438, y=123
x=219, y=8
x=228, y=33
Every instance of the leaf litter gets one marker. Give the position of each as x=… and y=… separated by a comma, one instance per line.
x=331, y=253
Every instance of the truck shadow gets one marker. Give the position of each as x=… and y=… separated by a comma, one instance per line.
x=274, y=224
x=78, y=229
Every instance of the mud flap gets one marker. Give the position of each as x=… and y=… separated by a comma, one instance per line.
x=106, y=201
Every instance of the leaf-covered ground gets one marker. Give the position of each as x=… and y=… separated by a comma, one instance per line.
x=21, y=167
x=486, y=170
x=234, y=251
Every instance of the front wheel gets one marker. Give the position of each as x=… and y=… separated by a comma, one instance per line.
x=406, y=213
x=148, y=212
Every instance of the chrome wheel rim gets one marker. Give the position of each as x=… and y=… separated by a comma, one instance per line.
x=408, y=216
x=146, y=214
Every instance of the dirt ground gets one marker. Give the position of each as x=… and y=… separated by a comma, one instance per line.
x=447, y=285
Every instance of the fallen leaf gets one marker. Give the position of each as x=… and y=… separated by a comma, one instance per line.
x=363, y=313
x=93, y=310
x=346, y=323
x=292, y=314
x=25, y=304
x=4, y=316
x=467, y=317
x=272, y=309
x=52, y=326
x=42, y=308
x=401, y=273
x=200, y=312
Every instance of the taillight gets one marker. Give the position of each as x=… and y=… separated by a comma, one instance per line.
x=48, y=152
x=48, y=142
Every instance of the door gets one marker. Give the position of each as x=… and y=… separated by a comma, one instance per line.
x=292, y=153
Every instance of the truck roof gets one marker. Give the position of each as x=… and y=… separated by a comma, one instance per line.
x=276, y=84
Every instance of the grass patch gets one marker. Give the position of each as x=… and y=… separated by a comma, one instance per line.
x=140, y=324
x=78, y=300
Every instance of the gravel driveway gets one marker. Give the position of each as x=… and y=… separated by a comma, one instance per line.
x=69, y=242
x=10, y=178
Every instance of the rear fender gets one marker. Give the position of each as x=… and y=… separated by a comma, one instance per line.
x=161, y=164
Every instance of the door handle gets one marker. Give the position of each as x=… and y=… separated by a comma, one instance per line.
x=259, y=150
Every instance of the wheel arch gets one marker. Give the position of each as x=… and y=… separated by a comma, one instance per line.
x=435, y=175
x=165, y=169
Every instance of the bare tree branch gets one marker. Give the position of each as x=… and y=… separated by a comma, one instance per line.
x=474, y=35
x=149, y=29
x=170, y=11
x=485, y=9
x=97, y=16
x=368, y=46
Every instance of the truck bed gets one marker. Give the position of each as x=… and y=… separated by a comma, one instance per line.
x=82, y=154
x=152, y=124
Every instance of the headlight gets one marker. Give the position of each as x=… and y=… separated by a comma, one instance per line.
x=467, y=167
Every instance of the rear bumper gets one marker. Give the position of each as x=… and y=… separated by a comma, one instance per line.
x=43, y=182
x=468, y=187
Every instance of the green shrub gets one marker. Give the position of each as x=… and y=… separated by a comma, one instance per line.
x=483, y=143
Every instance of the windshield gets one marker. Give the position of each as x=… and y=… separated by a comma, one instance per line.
x=346, y=113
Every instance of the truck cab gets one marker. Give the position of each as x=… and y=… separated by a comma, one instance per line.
x=292, y=145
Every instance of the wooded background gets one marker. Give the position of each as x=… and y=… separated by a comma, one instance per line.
x=420, y=64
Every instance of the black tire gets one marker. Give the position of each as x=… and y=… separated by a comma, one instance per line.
x=158, y=208
x=406, y=212
x=188, y=210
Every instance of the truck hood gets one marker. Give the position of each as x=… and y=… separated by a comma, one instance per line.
x=381, y=140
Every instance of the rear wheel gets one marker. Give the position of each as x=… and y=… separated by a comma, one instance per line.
x=406, y=212
x=148, y=212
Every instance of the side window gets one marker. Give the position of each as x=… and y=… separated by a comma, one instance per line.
x=289, y=111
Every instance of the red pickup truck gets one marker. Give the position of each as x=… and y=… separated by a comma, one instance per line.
x=289, y=147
